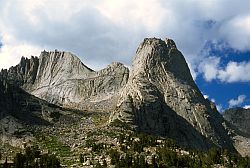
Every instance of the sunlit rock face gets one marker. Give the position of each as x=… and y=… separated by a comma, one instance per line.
x=61, y=78
x=161, y=98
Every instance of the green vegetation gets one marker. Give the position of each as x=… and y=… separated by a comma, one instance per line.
x=32, y=158
x=118, y=123
x=52, y=144
x=132, y=150
x=96, y=147
x=132, y=154
x=119, y=146
x=100, y=119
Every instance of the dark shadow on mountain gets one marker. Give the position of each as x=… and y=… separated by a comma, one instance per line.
x=157, y=118
x=236, y=130
x=23, y=106
x=238, y=119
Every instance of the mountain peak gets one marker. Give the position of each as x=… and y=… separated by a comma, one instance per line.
x=154, y=53
x=161, y=98
x=170, y=43
x=116, y=64
x=59, y=55
x=154, y=42
x=61, y=78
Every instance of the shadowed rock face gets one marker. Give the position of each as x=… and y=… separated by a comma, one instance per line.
x=61, y=78
x=162, y=98
x=18, y=108
x=239, y=117
x=20, y=112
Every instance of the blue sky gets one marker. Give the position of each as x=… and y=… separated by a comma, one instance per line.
x=213, y=35
x=222, y=92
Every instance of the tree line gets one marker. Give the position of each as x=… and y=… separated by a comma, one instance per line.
x=32, y=158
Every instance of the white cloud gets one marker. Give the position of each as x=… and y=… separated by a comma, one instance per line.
x=134, y=13
x=11, y=51
x=219, y=108
x=246, y=107
x=237, y=32
x=206, y=96
x=209, y=68
x=237, y=102
x=10, y=55
x=235, y=72
x=111, y=30
x=212, y=69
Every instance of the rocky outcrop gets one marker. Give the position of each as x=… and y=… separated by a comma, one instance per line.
x=61, y=78
x=19, y=111
x=239, y=128
x=24, y=107
x=162, y=98
x=240, y=118
x=22, y=74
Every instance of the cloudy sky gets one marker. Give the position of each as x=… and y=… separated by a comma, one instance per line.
x=213, y=35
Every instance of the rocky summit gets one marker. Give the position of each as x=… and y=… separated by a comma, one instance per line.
x=56, y=102
x=162, y=98
x=61, y=78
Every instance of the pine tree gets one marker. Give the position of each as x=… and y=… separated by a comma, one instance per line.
x=81, y=158
x=105, y=163
x=19, y=160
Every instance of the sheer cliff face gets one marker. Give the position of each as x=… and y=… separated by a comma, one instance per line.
x=57, y=67
x=162, y=98
x=61, y=78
